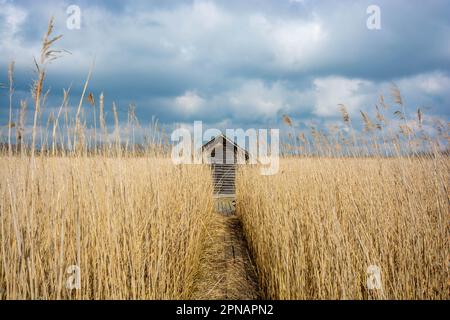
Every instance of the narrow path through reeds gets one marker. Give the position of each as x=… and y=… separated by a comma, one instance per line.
x=226, y=268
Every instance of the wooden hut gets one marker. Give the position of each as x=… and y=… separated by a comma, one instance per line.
x=223, y=155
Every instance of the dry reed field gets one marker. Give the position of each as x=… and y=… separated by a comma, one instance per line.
x=316, y=227
x=133, y=226
x=138, y=228
x=77, y=192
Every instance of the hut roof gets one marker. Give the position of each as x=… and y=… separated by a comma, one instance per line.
x=219, y=137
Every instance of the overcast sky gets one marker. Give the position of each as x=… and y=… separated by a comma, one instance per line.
x=236, y=63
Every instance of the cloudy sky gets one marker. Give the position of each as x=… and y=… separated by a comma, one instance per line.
x=236, y=63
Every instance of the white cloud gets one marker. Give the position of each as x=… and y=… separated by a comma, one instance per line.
x=207, y=14
x=251, y=100
x=331, y=91
x=190, y=102
x=292, y=42
x=255, y=98
x=13, y=17
x=430, y=83
x=361, y=94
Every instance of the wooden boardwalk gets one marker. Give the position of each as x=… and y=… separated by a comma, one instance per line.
x=225, y=205
x=227, y=270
